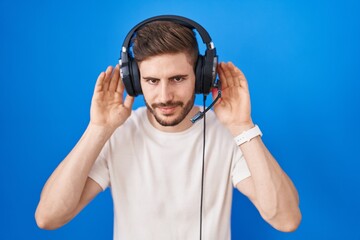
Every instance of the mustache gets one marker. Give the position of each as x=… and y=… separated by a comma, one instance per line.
x=167, y=104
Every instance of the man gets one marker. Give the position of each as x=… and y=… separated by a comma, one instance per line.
x=151, y=157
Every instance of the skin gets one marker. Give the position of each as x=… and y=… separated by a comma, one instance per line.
x=168, y=83
x=269, y=188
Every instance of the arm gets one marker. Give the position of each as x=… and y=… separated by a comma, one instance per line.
x=68, y=190
x=269, y=188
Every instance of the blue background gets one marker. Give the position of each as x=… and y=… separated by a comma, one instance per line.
x=301, y=59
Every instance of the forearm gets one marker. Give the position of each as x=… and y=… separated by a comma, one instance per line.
x=274, y=193
x=61, y=193
x=269, y=188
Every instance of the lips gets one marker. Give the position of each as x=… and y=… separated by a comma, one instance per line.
x=167, y=110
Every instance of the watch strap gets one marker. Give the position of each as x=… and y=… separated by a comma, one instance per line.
x=247, y=135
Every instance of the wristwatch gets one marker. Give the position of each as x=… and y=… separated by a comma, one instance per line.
x=246, y=136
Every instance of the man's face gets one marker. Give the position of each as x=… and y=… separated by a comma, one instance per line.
x=168, y=83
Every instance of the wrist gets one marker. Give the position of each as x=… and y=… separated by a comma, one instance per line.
x=99, y=130
x=247, y=135
x=237, y=129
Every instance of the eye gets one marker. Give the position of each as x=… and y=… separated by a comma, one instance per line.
x=178, y=78
x=152, y=81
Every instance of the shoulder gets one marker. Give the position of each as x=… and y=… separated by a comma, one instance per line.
x=136, y=118
x=213, y=121
x=133, y=123
x=216, y=129
x=138, y=114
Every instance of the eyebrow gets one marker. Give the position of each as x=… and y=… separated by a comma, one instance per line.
x=177, y=75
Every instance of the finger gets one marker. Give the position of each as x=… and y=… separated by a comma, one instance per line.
x=238, y=76
x=222, y=77
x=228, y=75
x=120, y=87
x=114, y=79
x=129, y=100
x=234, y=74
x=214, y=94
x=99, y=82
x=107, y=78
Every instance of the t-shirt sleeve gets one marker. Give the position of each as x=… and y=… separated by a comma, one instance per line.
x=100, y=170
x=240, y=169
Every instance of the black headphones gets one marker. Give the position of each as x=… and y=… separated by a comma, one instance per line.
x=205, y=70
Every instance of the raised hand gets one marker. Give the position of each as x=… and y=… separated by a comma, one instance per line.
x=108, y=107
x=234, y=109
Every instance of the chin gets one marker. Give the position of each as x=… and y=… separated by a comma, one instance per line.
x=166, y=122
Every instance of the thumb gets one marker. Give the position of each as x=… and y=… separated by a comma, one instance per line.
x=214, y=94
x=129, y=100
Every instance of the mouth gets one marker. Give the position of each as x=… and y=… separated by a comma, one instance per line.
x=168, y=110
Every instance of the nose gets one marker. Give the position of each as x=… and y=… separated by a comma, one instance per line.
x=166, y=92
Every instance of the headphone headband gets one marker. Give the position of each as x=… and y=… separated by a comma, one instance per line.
x=173, y=18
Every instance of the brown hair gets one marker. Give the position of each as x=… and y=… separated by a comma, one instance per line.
x=164, y=37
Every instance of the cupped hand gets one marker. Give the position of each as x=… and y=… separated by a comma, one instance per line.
x=108, y=107
x=234, y=109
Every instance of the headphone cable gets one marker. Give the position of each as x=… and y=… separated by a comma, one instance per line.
x=202, y=170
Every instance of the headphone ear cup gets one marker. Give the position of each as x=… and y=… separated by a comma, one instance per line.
x=135, y=73
x=125, y=72
x=209, y=70
x=199, y=75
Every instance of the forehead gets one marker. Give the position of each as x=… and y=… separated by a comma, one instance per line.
x=165, y=65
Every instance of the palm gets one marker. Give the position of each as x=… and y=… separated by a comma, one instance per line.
x=234, y=107
x=107, y=107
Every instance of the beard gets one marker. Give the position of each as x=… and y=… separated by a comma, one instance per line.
x=161, y=119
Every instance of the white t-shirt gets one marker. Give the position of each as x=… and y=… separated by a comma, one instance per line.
x=155, y=179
